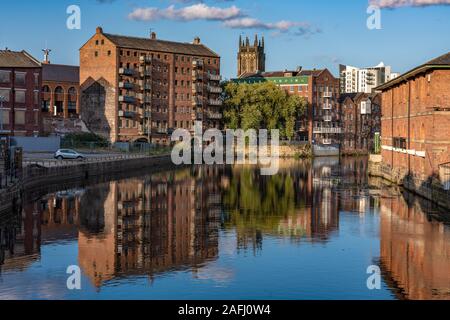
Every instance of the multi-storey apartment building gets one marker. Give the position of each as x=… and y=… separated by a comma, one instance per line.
x=364, y=80
x=20, y=94
x=321, y=89
x=361, y=121
x=141, y=89
x=60, y=89
x=416, y=124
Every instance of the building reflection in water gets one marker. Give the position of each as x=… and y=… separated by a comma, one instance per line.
x=415, y=246
x=155, y=224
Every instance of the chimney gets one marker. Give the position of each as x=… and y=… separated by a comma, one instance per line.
x=153, y=35
x=99, y=30
x=197, y=40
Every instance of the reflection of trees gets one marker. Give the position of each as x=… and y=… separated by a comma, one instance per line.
x=258, y=203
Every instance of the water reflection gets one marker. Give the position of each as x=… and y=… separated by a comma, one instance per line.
x=415, y=246
x=160, y=224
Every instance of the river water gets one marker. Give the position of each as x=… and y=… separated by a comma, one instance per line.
x=313, y=231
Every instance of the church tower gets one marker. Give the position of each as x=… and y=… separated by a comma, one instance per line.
x=251, y=58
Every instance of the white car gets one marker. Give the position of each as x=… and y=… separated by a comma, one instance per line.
x=62, y=154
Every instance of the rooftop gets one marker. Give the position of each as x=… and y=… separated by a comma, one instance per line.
x=437, y=63
x=153, y=44
x=17, y=59
x=60, y=73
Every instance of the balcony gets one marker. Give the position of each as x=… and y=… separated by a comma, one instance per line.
x=327, y=106
x=197, y=75
x=326, y=141
x=213, y=89
x=215, y=115
x=126, y=72
x=328, y=94
x=127, y=114
x=215, y=102
x=145, y=85
x=196, y=101
x=327, y=118
x=127, y=99
x=145, y=59
x=197, y=88
x=145, y=71
x=126, y=85
x=330, y=130
x=214, y=77
x=197, y=64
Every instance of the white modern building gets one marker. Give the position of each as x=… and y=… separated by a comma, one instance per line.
x=364, y=80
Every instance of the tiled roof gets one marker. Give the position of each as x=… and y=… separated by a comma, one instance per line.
x=439, y=62
x=442, y=60
x=17, y=59
x=160, y=45
x=60, y=73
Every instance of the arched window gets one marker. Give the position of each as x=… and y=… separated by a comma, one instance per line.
x=72, y=91
x=45, y=88
x=59, y=90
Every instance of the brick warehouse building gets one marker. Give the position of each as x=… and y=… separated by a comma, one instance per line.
x=130, y=85
x=361, y=121
x=60, y=90
x=20, y=94
x=321, y=89
x=416, y=123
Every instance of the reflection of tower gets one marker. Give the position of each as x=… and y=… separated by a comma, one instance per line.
x=251, y=58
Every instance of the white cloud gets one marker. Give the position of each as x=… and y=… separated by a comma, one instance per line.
x=198, y=11
x=392, y=4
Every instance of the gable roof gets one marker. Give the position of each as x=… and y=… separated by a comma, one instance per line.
x=60, y=73
x=437, y=63
x=17, y=59
x=160, y=45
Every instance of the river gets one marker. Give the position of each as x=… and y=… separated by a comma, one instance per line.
x=313, y=231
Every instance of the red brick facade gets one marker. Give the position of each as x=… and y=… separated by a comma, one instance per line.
x=20, y=83
x=416, y=120
x=361, y=120
x=130, y=85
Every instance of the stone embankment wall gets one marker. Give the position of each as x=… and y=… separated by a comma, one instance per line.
x=430, y=188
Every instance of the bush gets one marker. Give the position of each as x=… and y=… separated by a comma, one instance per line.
x=85, y=139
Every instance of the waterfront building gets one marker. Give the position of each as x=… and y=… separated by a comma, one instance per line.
x=251, y=58
x=141, y=89
x=416, y=125
x=361, y=121
x=20, y=94
x=320, y=88
x=60, y=89
x=355, y=79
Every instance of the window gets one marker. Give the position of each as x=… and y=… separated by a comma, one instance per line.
x=20, y=96
x=5, y=116
x=103, y=42
x=109, y=53
x=96, y=53
x=36, y=117
x=36, y=80
x=5, y=76
x=20, y=117
x=399, y=142
x=36, y=98
x=20, y=79
x=96, y=42
x=5, y=94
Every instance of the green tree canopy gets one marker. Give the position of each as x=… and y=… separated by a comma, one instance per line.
x=262, y=106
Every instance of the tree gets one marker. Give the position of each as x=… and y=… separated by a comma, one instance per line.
x=262, y=106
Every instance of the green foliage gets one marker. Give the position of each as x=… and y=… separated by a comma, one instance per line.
x=84, y=139
x=262, y=106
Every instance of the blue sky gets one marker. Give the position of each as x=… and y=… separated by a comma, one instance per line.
x=315, y=34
